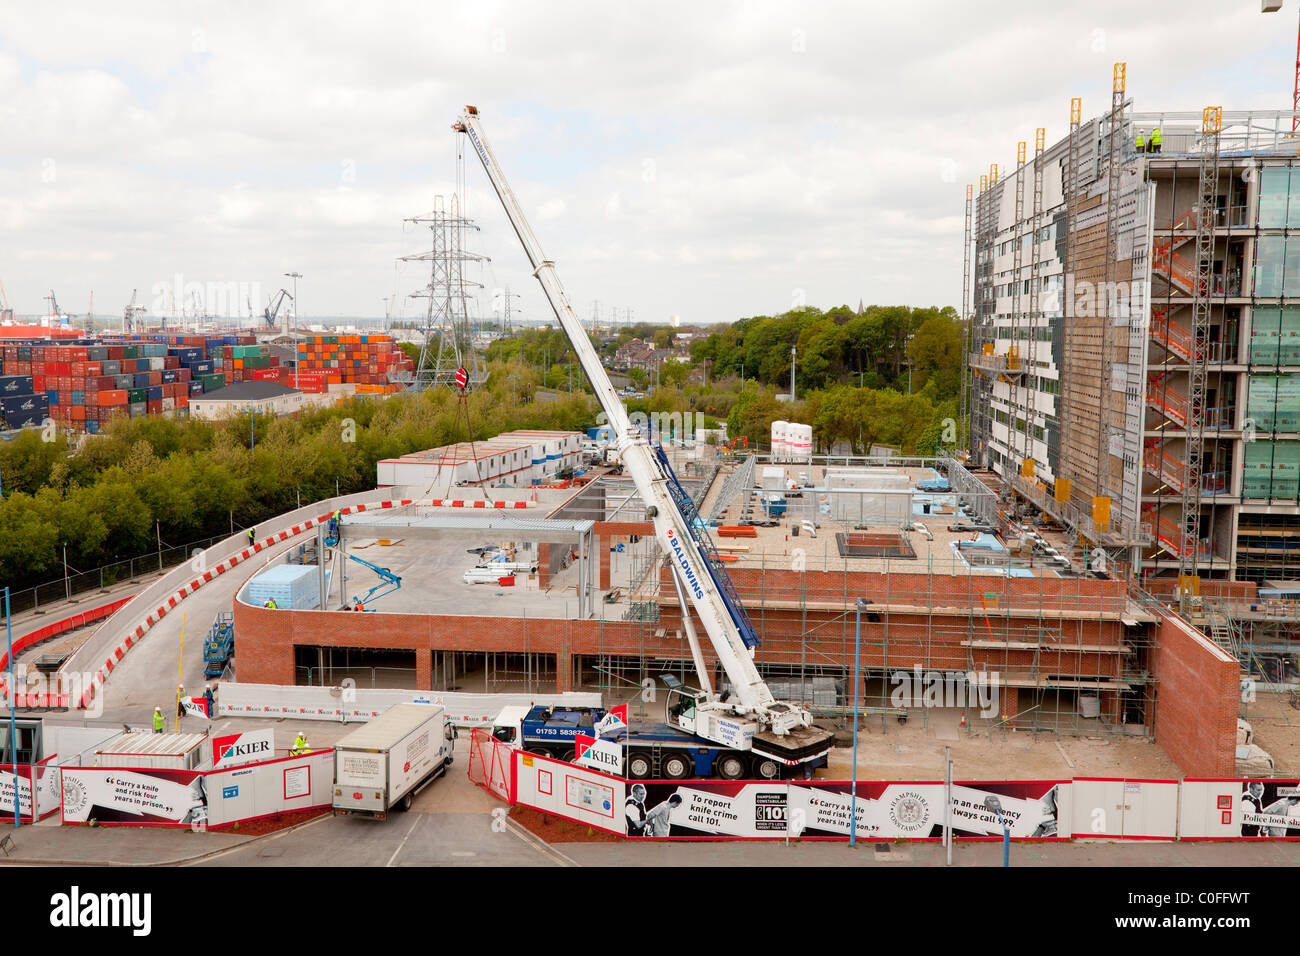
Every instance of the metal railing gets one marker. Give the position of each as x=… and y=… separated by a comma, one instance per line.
x=1242, y=132
x=362, y=677
x=100, y=579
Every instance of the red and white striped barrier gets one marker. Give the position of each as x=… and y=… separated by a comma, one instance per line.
x=170, y=604
x=449, y=503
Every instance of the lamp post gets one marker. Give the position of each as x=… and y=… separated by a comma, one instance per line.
x=792, y=348
x=13, y=719
x=857, y=648
x=993, y=803
x=295, y=276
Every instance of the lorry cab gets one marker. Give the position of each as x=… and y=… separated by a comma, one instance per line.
x=508, y=726
x=681, y=707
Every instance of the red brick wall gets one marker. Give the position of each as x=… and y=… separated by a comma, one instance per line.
x=266, y=638
x=1197, y=693
x=605, y=532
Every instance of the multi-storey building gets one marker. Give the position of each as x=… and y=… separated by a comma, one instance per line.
x=1136, y=363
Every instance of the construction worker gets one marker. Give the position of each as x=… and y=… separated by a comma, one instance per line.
x=1141, y=143
x=252, y=536
x=1156, y=139
x=159, y=721
x=334, y=523
x=271, y=604
x=180, y=705
x=207, y=694
x=300, y=745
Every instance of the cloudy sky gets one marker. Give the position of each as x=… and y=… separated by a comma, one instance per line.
x=706, y=160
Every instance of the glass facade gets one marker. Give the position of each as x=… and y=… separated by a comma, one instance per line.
x=1271, y=470
x=1275, y=336
x=1273, y=402
x=1275, y=195
x=1277, y=266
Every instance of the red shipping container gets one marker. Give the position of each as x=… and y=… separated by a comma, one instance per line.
x=154, y=407
x=182, y=401
x=78, y=412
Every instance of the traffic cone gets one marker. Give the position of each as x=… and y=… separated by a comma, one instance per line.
x=963, y=718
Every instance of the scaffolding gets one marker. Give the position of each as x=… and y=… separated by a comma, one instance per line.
x=963, y=408
x=1035, y=307
x=1018, y=259
x=1114, y=174
x=1071, y=654
x=1202, y=293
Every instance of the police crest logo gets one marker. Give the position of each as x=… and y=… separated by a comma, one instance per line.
x=74, y=795
x=909, y=812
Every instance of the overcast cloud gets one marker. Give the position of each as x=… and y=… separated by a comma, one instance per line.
x=704, y=160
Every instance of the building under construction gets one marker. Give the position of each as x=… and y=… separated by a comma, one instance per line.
x=1135, y=356
x=932, y=607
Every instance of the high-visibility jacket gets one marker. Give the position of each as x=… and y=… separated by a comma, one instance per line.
x=159, y=722
x=271, y=604
x=1156, y=137
x=1141, y=144
x=300, y=745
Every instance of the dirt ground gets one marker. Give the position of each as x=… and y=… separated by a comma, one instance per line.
x=270, y=824
x=888, y=750
x=558, y=830
x=1277, y=729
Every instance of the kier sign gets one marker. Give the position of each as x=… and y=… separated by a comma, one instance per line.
x=603, y=755
x=237, y=749
x=462, y=378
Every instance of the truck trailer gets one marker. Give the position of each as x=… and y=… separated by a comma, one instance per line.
x=649, y=750
x=382, y=765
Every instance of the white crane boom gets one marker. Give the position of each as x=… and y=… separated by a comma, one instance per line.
x=706, y=586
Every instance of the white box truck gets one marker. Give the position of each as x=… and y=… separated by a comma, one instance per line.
x=384, y=764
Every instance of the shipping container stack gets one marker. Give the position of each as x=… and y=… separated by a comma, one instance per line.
x=21, y=406
x=362, y=360
x=83, y=385
x=250, y=362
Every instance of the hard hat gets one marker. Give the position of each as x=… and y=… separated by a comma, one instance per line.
x=158, y=710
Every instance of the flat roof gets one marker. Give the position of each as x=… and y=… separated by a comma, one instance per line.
x=247, y=391
x=479, y=519
x=461, y=452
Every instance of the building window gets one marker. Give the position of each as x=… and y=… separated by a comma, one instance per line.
x=1275, y=336
x=1273, y=194
x=1273, y=402
x=1277, y=266
x=1271, y=470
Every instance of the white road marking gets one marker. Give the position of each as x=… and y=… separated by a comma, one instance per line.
x=403, y=843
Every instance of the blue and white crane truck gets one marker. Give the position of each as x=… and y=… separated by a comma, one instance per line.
x=746, y=730
x=648, y=750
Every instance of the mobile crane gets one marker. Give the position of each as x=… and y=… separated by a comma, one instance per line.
x=750, y=718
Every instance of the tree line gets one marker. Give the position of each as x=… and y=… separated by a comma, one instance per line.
x=108, y=496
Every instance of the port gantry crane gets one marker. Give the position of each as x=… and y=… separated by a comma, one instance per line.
x=273, y=307
x=750, y=718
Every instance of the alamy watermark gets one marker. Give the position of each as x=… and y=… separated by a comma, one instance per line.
x=976, y=690
x=682, y=426
x=226, y=300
